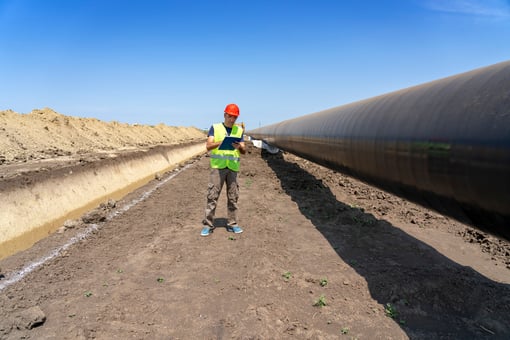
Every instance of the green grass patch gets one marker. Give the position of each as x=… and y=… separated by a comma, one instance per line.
x=321, y=301
x=287, y=276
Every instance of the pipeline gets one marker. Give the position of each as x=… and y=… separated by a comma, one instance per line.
x=443, y=144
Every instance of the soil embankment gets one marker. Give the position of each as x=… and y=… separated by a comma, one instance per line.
x=55, y=167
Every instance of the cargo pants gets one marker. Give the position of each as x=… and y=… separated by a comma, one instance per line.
x=217, y=178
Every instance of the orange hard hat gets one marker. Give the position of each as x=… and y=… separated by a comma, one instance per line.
x=232, y=109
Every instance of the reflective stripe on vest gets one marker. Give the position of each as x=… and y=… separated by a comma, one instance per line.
x=230, y=158
x=221, y=159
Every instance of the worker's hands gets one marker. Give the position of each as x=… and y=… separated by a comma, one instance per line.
x=211, y=144
x=239, y=146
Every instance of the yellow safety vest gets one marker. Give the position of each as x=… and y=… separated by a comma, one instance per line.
x=221, y=159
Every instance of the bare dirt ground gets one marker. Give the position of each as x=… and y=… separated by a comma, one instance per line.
x=322, y=256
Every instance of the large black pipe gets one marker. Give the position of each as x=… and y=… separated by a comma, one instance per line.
x=445, y=144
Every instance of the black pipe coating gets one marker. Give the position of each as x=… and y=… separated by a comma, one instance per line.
x=444, y=144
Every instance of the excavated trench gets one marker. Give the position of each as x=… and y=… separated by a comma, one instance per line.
x=36, y=203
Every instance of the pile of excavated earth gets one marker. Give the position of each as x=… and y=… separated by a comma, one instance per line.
x=322, y=255
x=43, y=134
x=55, y=167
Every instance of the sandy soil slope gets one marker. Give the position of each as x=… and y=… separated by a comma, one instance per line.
x=323, y=256
x=43, y=134
x=44, y=151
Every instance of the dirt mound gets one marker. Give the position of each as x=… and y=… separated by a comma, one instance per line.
x=43, y=134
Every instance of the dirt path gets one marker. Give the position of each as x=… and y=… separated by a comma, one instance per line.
x=385, y=268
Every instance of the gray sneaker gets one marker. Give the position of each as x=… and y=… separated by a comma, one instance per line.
x=205, y=231
x=237, y=229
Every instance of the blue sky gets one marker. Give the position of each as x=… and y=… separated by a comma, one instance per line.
x=179, y=62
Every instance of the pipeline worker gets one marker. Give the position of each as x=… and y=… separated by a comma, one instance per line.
x=224, y=164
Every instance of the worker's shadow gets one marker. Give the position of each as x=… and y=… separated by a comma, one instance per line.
x=429, y=295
